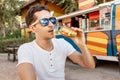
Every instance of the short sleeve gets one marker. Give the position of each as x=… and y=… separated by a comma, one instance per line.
x=25, y=55
x=68, y=48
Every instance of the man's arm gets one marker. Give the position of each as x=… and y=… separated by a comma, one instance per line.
x=26, y=71
x=85, y=59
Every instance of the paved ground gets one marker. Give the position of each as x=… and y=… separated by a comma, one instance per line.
x=105, y=71
x=8, y=69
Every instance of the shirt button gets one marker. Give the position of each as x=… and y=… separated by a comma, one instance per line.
x=51, y=65
x=50, y=59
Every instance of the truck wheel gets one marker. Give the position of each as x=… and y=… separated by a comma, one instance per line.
x=96, y=61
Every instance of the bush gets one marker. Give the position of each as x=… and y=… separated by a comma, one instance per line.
x=6, y=42
x=13, y=34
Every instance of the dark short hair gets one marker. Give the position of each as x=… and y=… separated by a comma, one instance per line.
x=30, y=18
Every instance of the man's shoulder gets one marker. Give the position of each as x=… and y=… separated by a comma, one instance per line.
x=58, y=40
x=28, y=44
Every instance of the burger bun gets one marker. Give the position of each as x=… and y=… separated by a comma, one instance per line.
x=68, y=32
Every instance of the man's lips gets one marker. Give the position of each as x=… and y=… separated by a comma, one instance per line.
x=51, y=31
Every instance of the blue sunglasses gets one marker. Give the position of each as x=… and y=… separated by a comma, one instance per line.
x=45, y=21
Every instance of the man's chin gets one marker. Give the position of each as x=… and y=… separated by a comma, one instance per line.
x=53, y=36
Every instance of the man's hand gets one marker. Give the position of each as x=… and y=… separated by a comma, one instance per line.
x=79, y=39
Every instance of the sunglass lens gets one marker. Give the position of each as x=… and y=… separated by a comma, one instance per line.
x=53, y=20
x=44, y=22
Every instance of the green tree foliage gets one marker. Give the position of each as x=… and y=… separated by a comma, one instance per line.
x=72, y=5
x=67, y=5
x=9, y=9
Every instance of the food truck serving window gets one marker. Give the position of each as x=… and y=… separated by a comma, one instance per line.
x=94, y=15
x=94, y=20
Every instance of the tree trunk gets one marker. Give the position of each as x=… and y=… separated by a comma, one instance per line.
x=3, y=30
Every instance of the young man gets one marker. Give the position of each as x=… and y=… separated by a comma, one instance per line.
x=44, y=58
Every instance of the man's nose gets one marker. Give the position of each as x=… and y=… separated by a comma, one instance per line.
x=50, y=23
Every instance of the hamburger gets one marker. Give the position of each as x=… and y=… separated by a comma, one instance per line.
x=68, y=32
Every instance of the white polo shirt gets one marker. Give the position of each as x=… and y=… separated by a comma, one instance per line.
x=48, y=65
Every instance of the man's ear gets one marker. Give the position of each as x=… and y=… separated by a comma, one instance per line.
x=32, y=28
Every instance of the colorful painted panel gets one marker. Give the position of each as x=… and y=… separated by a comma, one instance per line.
x=113, y=16
x=117, y=17
x=84, y=4
x=118, y=42
x=97, y=43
